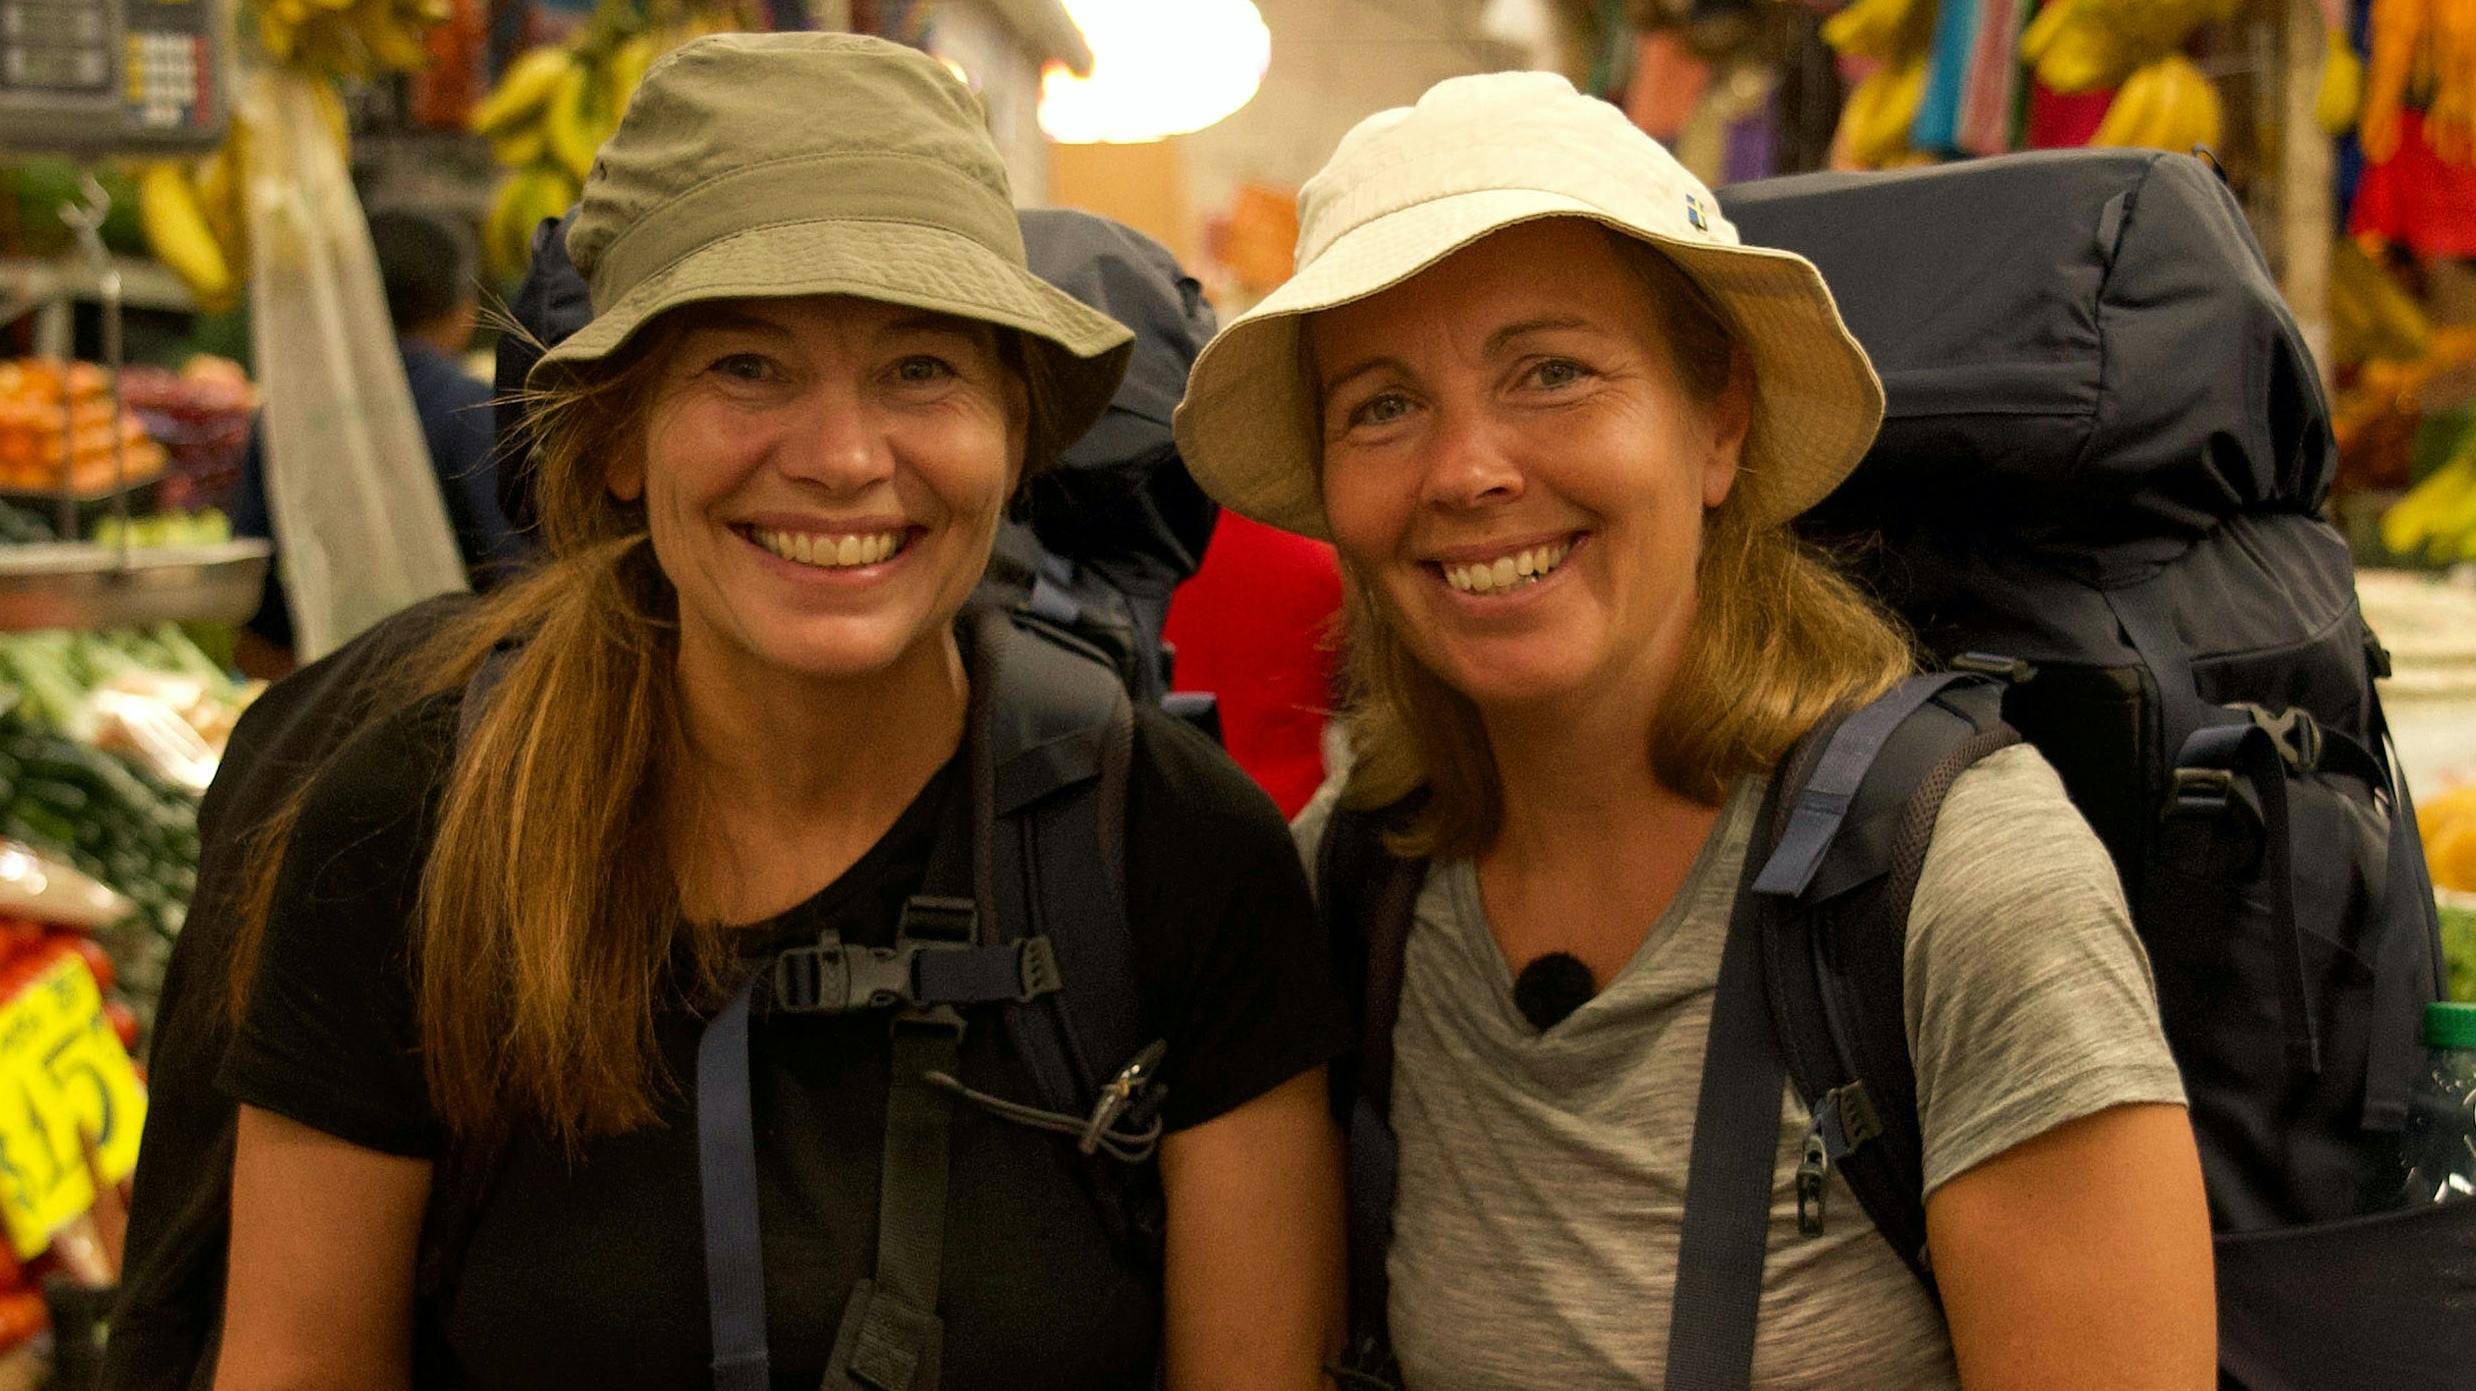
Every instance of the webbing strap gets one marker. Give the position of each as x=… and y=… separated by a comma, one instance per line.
x=911, y=1194
x=2250, y=752
x=1823, y=804
x=727, y=1179
x=1725, y=1232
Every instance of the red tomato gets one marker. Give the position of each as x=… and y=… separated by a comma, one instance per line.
x=22, y=1315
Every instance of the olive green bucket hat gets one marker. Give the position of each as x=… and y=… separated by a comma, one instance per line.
x=780, y=165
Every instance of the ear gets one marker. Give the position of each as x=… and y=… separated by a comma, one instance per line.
x=1732, y=418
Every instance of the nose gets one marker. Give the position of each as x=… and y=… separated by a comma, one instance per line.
x=836, y=442
x=1468, y=465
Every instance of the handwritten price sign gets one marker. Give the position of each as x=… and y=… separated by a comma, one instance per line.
x=61, y=1072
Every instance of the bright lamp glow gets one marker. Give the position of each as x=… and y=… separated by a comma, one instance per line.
x=1159, y=68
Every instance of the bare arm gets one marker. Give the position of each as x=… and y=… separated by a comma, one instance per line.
x=1254, y=1283
x=324, y=1240
x=2080, y=1260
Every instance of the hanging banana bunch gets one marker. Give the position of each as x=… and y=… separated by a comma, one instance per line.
x=346, y=38
x=1875, y=125
x=2162, y=100
x=555, y=105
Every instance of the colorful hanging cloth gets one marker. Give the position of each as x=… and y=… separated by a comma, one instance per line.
x=1990, y=96
x=1947, y=72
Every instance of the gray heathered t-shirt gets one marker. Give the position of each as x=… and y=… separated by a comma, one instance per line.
x=1543, y=1175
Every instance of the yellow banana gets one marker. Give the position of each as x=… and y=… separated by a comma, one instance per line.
x=279, y=36
x=2134, y=117
x=1866, y=28
x=503, y=258
x=627, y=69
x=2083, y=55
x=176, y=230
x=522, y=90
x=2342, y=86
x=519, y=147
x=571, y=122
x=393, y=46
x=2040, y=35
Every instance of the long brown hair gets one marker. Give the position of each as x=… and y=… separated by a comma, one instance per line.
x=1779, y=638
x=548, y=931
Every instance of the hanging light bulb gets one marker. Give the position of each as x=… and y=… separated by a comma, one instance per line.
x=1159, y=68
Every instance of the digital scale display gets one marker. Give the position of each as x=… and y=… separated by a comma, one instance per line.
x=96, y=77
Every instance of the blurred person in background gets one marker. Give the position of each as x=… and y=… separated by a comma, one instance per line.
x=430, y=269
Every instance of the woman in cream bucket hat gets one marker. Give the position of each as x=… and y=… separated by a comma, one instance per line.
x=531, y=1092
x=1556, y=420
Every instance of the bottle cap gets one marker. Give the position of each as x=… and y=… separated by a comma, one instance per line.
x=2450, y=1024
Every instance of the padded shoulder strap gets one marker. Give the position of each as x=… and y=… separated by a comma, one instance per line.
x=1368, y=897
x=1835, y=953
x=1052, y=735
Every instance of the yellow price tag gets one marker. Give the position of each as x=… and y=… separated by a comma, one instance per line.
x=62, y=1070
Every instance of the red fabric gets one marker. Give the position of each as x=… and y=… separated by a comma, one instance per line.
x=2417, y=200
x=2064, y=120
x=1253, y=628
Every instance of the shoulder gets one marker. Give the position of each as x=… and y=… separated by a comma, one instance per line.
x=2008, y=828
x=1180, y=782
x=2029, y=997
x=384, y=779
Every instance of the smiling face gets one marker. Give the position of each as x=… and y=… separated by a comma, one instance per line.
x=822, y=479
x=1514, y=471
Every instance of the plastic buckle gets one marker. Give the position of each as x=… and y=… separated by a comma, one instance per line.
x=934, y=919
x=1860, y=1123
x=1120, y=1093
x=2010, y=670
x=2296, y=732
x=2200, y=792
x=834, y=978
x=1812, y=1196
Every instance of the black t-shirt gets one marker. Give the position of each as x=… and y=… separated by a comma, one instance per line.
x=592, y=1275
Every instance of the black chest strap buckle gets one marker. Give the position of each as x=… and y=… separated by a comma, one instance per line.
x=933, y=961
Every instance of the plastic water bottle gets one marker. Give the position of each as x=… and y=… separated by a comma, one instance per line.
x=2439, y=1143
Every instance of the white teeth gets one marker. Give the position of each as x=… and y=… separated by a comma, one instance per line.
x=1505, y=572
x=830, y=552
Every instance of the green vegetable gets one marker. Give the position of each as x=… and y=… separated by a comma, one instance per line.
x=2459, y=950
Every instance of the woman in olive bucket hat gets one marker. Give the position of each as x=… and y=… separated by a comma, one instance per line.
x=1557, y=419
x=653, y=1003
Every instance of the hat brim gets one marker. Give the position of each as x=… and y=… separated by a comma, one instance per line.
x=1248, y=427
x=1084, y=352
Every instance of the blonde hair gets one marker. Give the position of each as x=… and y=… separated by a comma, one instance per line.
x=1779, y=639
x=548, y=930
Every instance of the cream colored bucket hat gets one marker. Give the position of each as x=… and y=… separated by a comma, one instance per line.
x=1412, y=185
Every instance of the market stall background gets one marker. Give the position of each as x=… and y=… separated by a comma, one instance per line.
x=154, y=304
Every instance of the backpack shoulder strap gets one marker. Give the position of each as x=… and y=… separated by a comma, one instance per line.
x=1858, y=801
x=1368, y=897
x=1052, y=737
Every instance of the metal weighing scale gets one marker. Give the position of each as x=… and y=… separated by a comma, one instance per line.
x=93, y=79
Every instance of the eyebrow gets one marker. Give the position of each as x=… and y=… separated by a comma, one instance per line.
x=1545, y=323
x=1497, y=342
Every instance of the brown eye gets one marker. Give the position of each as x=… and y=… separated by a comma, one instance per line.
x=920, y=370
x=1557, y=372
